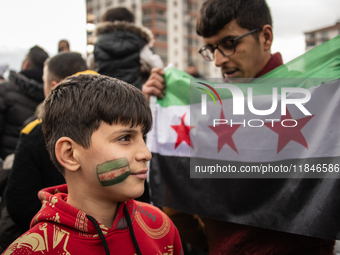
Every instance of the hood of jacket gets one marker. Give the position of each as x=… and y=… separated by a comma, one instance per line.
x=27, y=86
x=55, y=209
x=59, y=228
x=108, y=27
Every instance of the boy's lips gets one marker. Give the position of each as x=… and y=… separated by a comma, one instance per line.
x=140, y=174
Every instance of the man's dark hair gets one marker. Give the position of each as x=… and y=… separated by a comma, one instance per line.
x=118, y=13
x=36, y=57
x=65, y=64
x=77, y=106
x=215, y=14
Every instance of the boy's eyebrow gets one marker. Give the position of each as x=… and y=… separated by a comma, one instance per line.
x=128, y=130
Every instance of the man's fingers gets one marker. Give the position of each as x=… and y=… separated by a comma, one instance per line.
x=155, y=85
x=157, y=70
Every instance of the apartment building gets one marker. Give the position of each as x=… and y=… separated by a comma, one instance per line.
x=316, y=37
x=172, y=23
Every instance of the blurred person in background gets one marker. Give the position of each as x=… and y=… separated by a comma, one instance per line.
x=19, y=97
x=122, y=48
x=193, y=71
x=33, y=169
x=3, y=69
x=63, y=46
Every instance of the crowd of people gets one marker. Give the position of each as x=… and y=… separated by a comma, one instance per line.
x=72, y=143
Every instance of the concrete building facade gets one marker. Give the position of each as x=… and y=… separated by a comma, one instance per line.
x=319, y=36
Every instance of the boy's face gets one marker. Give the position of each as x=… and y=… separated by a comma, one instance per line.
x=114, y=150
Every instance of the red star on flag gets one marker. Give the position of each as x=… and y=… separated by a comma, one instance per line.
x=224, y=133
x=287, y=134
x=183, y=133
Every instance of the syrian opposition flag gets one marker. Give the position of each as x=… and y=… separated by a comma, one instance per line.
x=272, y=163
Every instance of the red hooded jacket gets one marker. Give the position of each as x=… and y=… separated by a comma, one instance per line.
x=60, y=228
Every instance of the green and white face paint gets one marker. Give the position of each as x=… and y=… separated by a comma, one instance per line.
x=113, y=172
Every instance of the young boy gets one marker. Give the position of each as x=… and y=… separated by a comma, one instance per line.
x=94, y=128
x=33, y=169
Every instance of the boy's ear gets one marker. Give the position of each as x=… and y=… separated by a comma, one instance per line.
x=65, y=151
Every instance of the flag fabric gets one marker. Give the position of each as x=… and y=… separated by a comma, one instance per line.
x=276, y=171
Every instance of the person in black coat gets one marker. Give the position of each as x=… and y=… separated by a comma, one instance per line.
x=19, y=97
x=122, y=46
x=33, y=169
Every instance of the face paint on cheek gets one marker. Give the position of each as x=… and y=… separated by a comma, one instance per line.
x=113, y=172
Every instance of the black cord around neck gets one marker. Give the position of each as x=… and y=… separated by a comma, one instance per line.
x=102, y=238
x=128, y=220
x=100, y=233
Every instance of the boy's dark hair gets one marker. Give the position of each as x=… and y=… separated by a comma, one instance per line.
x=65, y=64
x=118, y=13
x=36, y=57
x=215, y=14
x=77, y=106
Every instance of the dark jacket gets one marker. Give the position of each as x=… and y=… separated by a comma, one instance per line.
x=117, y=50
x=32, y=171
x=19, y=96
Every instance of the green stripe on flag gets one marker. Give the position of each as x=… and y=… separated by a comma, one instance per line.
x=322, y=63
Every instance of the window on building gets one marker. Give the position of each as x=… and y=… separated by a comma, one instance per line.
x=160, y=12
x=146, y=11
x=324, y=34
x=192, y=6
x=161, y=25
x=160, y=51
x=161, y=2
x=161, y=38
x=147, y=24
x=108, y=3
x=310, y=44
x=193, y=42
x=310, y=36
x=191, y=28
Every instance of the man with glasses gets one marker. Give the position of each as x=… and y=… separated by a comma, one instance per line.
x=238, y=37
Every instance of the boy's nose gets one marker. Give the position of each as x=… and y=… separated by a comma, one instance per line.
x=144, y=154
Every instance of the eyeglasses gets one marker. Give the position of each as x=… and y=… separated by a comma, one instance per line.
x=225, y=46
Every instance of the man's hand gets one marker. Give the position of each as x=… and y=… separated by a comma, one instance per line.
x=155, y=85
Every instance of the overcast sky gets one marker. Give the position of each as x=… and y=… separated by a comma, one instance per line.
x=293, y=17
x=24, y=23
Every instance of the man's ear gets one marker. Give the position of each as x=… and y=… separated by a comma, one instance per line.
x=267, y=31
x=65, y=151
x=53, y=84
x=25, y=65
